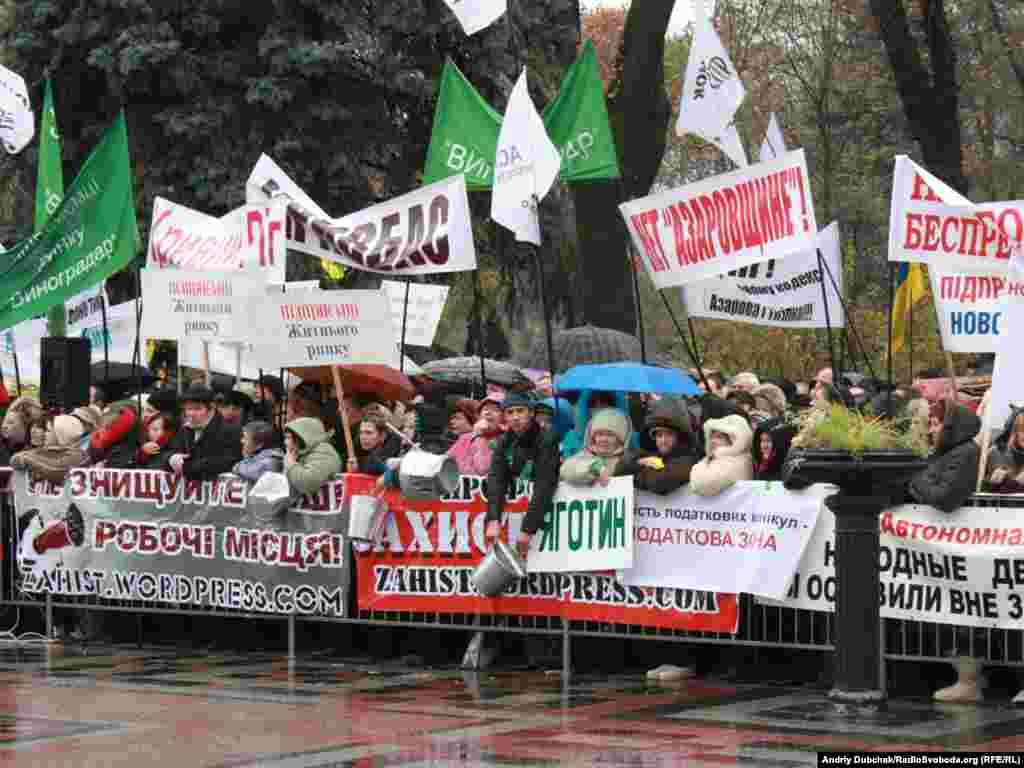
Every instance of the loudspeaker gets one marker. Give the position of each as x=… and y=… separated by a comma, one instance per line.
x=64, y=373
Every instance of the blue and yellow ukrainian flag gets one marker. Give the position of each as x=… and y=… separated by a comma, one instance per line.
x=910, y=289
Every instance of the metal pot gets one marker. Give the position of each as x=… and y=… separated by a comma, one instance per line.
x=366, y=516
x=425, y=476
x=499, y=568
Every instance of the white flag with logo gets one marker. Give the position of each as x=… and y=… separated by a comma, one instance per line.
x=774, y=145
x=475, y=15
x=525, y=167
x=17, y=123
x=729, y=142
x=712, y=90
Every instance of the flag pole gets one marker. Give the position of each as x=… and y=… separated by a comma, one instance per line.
x=17, y=373
x=686, y=344
x=911, y=337
x=478, y=311
x=888, y=351
x=847, y=315
x=544, y=309
x=837, y=375
x=405, y=315
x=106, y=335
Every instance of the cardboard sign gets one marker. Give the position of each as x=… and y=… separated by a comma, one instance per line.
x=723, y=223
x=426, y=305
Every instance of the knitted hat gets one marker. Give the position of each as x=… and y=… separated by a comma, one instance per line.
x=517, y=400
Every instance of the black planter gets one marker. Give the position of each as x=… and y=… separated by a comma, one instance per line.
x=867, y=484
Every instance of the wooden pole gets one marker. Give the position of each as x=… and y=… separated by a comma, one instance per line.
x=952, y=375
x=206, y=364
x=339, y=392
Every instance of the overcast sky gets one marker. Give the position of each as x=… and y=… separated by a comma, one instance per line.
x=680, y=14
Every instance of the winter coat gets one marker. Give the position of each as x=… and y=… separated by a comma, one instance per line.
x=117, y=440
x=781, y=434
x=318, y=461
x=532, y=455
x=1012, y=461
x=375, y=462
x=669, y=414
x=576, y=440
x=952, y=469
x=729, y=464
x=254, y=467
x=52, y=462
x=473, y=452
x=585, y=467
x=216, y=450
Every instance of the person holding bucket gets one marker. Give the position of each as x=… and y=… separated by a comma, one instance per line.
x=526, y=452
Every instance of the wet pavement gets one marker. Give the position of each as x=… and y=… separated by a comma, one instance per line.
x=126, y=706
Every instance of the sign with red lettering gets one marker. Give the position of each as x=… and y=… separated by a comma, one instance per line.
x=940, y=567
x=723, y=223
x=931, y=222
x=131, y=535
x=322, y=328
x=182, y=304
x=749, y=538
x=426, y=231
x=426, y=556
x=249, y=238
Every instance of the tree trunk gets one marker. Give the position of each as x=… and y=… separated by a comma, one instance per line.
x=639, y=111
x=930, y=100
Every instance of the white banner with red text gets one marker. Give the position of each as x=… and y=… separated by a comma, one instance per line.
x=783, y=293
x=134, y=535
x=426, y=231
x=749, y=538
x=198, y=305
x=725, y=222
x=248, y=239
x=421, y=314
x=961, y=568
x=322, y=328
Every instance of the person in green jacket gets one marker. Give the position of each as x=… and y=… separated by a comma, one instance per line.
x=310, y=459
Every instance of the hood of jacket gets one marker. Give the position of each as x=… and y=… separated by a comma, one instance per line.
x=738, y=430
x=669, y=414
x=775, y=397
x=959, y=425
x=309, y=430
x=781, y=434
x=583, y=412
x=66, y=431
x=610, y=420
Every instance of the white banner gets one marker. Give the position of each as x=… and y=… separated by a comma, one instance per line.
x=725, y=222
x=590, y=529
x=971, y=308
x=931, y=222
x=426, y=231
x=17, y=123
x=749, y=538
x=784, y=293
x=475, y=15
x=957, y=568
x=249, y=239
x=182, y=304
x=426, y=304
x=323, y=328
x=774, y=143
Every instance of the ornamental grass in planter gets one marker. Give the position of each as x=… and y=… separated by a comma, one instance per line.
x=837, y=428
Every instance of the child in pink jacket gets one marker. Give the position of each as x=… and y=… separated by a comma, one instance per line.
x=473, y=451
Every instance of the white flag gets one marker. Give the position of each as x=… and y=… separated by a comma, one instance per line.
x=17, y=123
x=525, y=167
x=774, y=144
x=712, y=90
x=729, y=142
x=475, y=15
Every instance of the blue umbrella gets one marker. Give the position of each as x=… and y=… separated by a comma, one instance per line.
x=627, y=377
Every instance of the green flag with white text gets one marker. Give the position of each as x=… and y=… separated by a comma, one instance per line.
x=577, y=122
x=91, y=234
x=465, y=134
x=50, y=175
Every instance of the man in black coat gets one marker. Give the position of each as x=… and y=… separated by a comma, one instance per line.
x=528, y=452
x=205, y=447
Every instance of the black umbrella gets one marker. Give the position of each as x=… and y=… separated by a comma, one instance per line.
x=467, y=369
x=584, y=345
x=121, y=379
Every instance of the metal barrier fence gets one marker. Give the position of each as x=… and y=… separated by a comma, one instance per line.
x=760, y=625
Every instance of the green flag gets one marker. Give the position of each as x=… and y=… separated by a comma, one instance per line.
x=90, y=235
x=465, y=135
x=577, y=122
x=50, y=176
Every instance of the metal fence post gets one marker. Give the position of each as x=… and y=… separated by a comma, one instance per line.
x=291, y=639
x=49, y=616
x=566, y=650
x=883, y=681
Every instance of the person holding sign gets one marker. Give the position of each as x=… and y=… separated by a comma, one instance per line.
x=526, y=452
x=667, y=469
x=605, y=446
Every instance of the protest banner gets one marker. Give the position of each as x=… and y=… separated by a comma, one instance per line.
x=784, y=293
x=17, y=123
x=91, y=234
x=426, y=231
x=932, y=223
x=956, y=568
x=133, y=535
x=248, y=239
x=725, y=222
x=322, y=328
x=85, y=319
x=749, y=538
x=475, y=15
x=214, y=306
x=428, y=551
x=586, y=529
x=426, y=305
x=970, y=308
